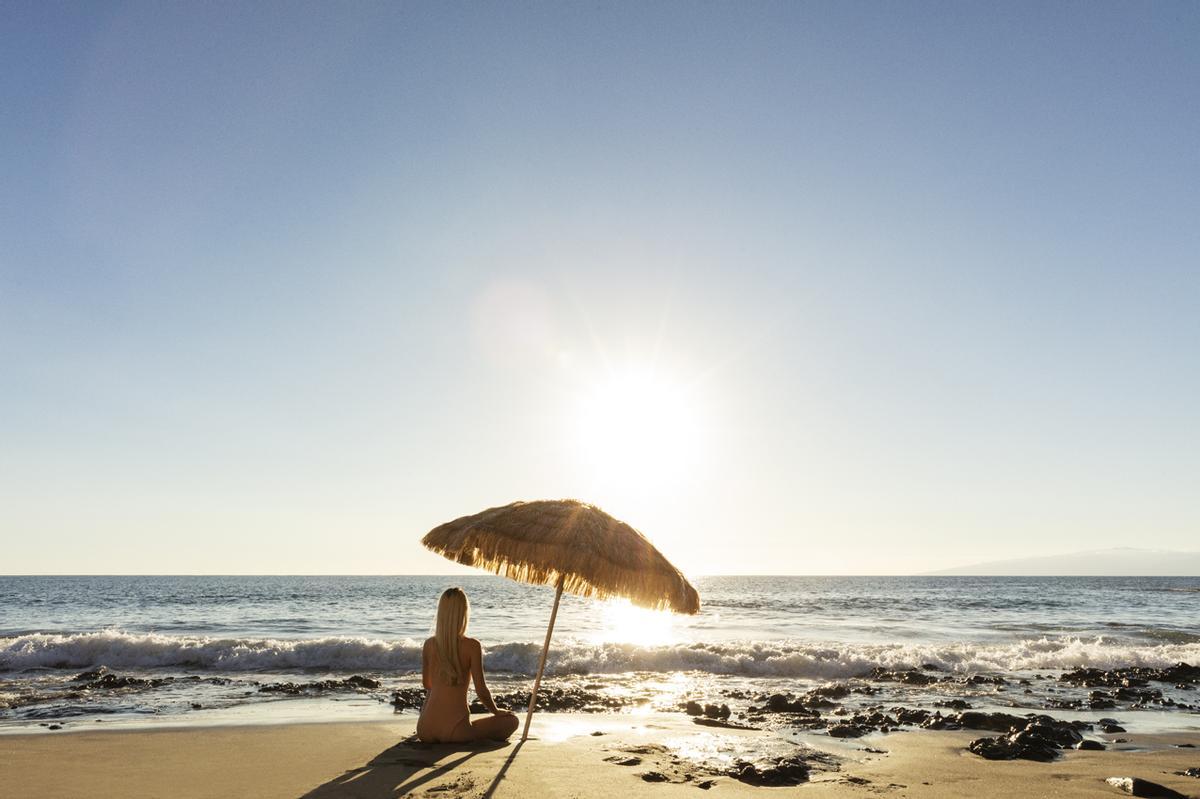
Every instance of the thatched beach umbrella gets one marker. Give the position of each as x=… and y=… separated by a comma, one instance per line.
x=568, y=544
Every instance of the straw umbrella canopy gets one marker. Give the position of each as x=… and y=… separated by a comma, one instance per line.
x=575, y=547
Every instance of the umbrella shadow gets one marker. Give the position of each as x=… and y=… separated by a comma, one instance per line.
x=405, y=767
x=491, y=789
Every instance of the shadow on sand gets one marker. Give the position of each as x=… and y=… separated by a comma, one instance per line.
x=410, y=765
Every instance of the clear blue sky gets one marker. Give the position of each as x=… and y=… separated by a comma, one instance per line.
x=799, y=287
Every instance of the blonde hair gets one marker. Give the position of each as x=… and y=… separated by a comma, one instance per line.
x=453, y=610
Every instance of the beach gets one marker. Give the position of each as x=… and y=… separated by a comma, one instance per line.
x=303, y=686
x=572, y=756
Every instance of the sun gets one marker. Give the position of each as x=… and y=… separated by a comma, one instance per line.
x=639, y=426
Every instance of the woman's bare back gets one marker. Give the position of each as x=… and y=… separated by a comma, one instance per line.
x=445, y=716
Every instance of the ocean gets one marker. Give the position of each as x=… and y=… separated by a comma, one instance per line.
x=77, y=652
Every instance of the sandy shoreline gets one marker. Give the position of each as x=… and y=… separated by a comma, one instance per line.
x=371, y=761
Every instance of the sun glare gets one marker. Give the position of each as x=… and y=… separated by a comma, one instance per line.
x=625, y=623
x=641, y=426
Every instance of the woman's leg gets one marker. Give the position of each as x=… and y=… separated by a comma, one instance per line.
x=496, y=728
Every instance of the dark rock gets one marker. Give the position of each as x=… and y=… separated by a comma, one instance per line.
x=646, y=749
x=906, y=715
x=624, y=760
x=1139, y=695
x=874, y=719
x=778, y=703
x=1132, y=676
x=1011, y=747
x=406, y=698
x=197, y=706
x=729, y=725
x=1182, y=672
x=937, y=721
x=954, y=704
x=715, y=712
x=693, y=708
x=1039, y=739
x=983, y=679
x=1112, y=728
x=1185, y=746
x=704, y=785
x=825, y=696
x=785, y=771
x=102, y=679
x=573, y=699
x=655, y=776
x=54, y=727
x=1063, y=735
x=907, y=676
x=1189, y=772
x=1089, y=745
x=996, y=722
x=354, y=683
x=1136, y=786
x=835, y=691
x=847, y=731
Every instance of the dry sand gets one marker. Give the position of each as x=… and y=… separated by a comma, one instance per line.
x=370, y=760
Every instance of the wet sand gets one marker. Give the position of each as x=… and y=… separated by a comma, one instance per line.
x=372, y=761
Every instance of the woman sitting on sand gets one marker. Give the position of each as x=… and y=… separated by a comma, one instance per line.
x=449, y=661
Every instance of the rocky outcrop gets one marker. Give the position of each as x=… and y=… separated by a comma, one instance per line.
x=785, y=771
x=1041, y=738
x=1133, y=676
x=353, y=683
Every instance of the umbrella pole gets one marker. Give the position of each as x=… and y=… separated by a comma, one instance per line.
x=537, y=682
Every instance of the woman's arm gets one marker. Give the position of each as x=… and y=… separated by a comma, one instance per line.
x=426, y=666
x=481, y=689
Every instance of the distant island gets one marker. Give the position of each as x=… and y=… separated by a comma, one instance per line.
x=1121, y=561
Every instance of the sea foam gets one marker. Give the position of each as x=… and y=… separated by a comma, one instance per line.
x=117, y=649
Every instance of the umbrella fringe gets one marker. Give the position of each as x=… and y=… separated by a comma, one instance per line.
x=597, y=555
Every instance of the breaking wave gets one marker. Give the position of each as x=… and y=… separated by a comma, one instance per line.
x=118, y=649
